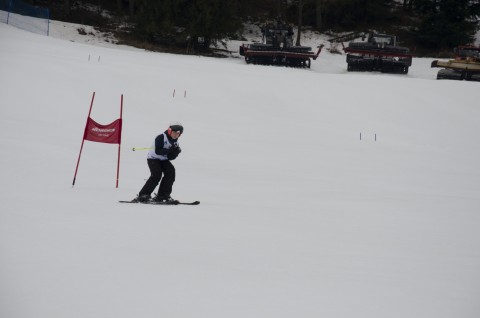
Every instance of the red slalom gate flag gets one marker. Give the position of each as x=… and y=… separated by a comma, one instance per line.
x=109, y=134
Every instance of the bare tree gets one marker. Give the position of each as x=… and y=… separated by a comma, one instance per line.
x=67, y=7
x=131, y=4
x=318, y=14
x=407, y=5
x=300, y=22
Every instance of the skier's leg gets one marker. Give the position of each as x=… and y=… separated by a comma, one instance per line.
x=155, y=176
x=168, y=179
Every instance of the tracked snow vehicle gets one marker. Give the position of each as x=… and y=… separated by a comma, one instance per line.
x=464, y=66
x=278, y=49
x=379, y=52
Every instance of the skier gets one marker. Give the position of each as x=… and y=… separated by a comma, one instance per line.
x=159, y=158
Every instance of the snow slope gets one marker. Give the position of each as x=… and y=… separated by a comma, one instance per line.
x=299, y=217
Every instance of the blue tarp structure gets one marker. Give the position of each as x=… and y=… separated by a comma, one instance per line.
x=25, y=16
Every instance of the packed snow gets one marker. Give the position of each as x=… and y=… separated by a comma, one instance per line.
x=299, y=216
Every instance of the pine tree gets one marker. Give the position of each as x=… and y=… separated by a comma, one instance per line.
x=447, y=23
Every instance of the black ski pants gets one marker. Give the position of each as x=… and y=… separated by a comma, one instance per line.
x=157, y=168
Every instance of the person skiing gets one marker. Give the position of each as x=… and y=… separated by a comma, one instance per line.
x=164, y=150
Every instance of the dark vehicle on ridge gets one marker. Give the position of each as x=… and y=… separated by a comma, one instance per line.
x=278, y=49
x=380, y=52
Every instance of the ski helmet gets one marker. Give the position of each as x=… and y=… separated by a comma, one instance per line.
x=177, y=127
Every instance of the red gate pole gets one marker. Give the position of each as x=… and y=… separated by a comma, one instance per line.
x=83, y=140
x=120, y=141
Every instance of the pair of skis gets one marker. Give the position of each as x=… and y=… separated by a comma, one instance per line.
x=174, y=202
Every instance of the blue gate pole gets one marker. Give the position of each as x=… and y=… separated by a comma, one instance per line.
x=48, y=22
x=9, y=8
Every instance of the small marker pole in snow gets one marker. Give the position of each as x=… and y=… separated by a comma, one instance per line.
x=185, y=94
x=360, y=136
x=174, y=93
x=375, y=137
x=99, y=58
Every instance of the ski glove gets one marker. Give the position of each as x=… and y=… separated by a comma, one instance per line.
x=173, y=153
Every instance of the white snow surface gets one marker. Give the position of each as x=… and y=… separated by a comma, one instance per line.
x=298, y=216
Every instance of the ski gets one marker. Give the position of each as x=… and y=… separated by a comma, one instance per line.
x=163, y=203
x=190, y=203
x=173, y=203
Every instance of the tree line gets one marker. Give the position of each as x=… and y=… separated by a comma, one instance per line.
x=428, y=24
